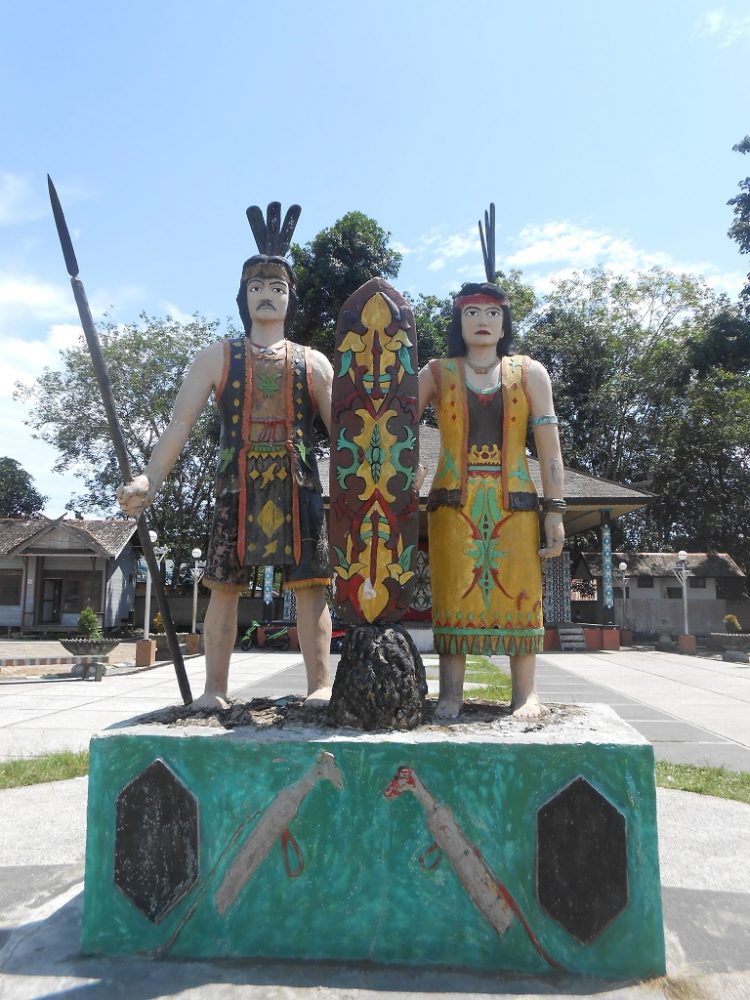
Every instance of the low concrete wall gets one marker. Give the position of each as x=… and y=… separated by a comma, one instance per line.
x=249, y=608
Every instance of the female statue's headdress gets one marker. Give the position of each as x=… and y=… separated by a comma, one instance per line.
x=479, y=291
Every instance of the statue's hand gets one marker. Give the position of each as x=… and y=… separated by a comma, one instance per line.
x=135, y=496
x=554, y=532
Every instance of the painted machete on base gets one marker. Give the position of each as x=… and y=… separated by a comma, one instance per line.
x=374, y=524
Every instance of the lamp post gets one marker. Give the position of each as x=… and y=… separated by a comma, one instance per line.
x=682, y=573
x=624, y=578
x=159, y=553
x=197, y=573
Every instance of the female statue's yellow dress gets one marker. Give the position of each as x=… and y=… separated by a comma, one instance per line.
x=483, y=517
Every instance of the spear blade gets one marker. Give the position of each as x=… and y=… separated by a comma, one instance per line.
x=62, y=231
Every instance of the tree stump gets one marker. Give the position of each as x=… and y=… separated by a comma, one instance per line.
x=380, y=682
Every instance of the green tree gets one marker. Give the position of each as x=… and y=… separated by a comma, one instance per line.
x=18, y=495
x=147, y=362
x=652, y=385
x=332, y=266
x=704, y=472
x=739, y=231
x=432, y=317
x=523, y=299
x=616, y=350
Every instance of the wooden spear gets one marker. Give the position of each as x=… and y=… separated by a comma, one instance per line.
x=115, y=432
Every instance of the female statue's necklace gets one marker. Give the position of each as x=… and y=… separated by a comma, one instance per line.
x=481, y=369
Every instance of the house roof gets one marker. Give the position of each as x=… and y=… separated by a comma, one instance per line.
x=713, y=564
x=585, y=495
x=107, y=537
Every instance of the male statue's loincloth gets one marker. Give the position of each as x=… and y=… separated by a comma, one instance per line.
x=269, y=504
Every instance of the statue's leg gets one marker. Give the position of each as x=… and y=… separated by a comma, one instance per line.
x=220, y=634
x=525, y=700
x=314, y=631
x=452, y=670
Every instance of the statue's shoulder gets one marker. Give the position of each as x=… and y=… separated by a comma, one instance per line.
x=319, y=361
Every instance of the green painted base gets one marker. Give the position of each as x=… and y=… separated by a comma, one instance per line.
x=476, y=857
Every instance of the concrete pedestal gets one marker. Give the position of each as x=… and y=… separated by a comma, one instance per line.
x=194, y=643
x=491, y=844
x=686, y=644
x=145, y=652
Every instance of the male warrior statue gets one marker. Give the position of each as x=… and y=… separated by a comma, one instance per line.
x=269, y=506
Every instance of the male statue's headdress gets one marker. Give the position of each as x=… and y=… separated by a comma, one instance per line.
x=273, y=240
x=482, y=291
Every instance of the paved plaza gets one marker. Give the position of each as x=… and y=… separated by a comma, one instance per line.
x=693, y=709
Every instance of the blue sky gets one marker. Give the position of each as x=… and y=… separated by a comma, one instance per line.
x=603, y=131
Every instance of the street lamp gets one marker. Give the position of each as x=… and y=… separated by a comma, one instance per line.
x=197, y=573
x=682, y=573
x=159, y=553
x=622, y=575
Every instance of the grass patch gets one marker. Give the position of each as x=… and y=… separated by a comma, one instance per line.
x=495, y=684
x=716, y=781
x=50, y=767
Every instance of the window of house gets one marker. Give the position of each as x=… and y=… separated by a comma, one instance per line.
x=697, y=582
x=674, y=592
x=730, y=588
x=646, y=581
x=72, y=597
x=10, y=586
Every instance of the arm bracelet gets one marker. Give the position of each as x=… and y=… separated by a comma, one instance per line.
x=539, y=421
x=551, y=505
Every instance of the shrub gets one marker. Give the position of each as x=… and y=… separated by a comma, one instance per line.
x=88, y=624
x=731, y=623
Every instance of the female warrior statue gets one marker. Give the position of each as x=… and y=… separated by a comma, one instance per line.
x=483, y=508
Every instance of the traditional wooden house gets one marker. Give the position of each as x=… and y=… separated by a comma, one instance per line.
x=51, y=569
x=652, y=603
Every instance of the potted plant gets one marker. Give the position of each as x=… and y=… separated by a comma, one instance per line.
x=89, y=641
x=160, y=634
x=734, y=638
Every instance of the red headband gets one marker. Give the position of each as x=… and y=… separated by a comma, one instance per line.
x=480, y=299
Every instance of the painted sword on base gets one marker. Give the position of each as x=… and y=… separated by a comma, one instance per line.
x=272, y=824
x=115, y=433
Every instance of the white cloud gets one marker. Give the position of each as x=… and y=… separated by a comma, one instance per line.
x=25, y=294
x=577, y=248
x=18, y=201
x=437, y=247
x=724, y=27
x=22, y=360
x=175, y=312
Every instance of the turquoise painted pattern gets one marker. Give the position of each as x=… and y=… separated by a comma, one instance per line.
x=363, y=894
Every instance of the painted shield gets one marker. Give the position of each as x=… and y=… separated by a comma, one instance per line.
x=374, y=523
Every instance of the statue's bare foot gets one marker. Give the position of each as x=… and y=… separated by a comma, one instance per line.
x=448, y=708
x=527, y=709
x=209, y=701
x=320, y=697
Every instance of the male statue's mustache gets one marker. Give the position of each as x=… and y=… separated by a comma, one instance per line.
x=268, y=303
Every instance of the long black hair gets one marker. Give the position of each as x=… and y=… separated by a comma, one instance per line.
x=456, y=345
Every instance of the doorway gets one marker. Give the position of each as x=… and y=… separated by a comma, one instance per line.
x=51, y=601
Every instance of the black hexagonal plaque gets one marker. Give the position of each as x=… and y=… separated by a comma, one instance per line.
x=156, y=840
x=582, y=860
